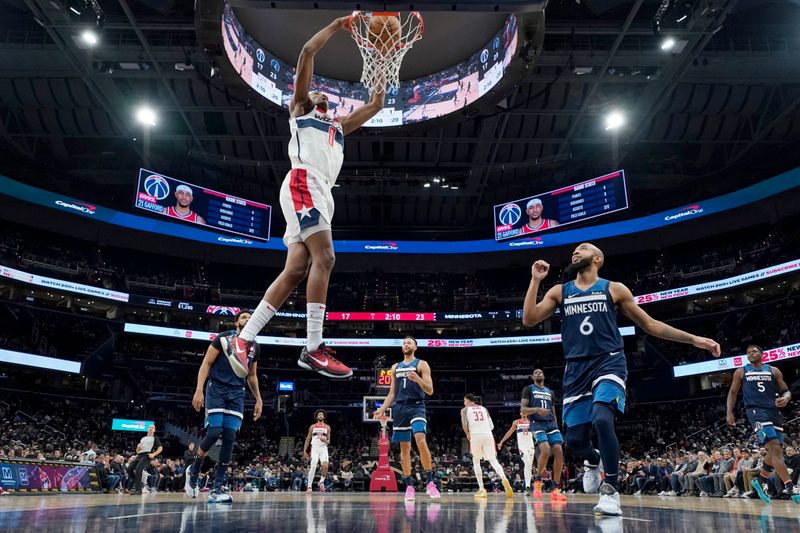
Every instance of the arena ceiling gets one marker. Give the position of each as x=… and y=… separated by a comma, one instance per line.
x=719, y=111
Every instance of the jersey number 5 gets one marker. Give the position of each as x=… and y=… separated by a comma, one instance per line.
x=760, y=386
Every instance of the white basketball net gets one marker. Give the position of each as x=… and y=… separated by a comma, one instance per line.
x=382, y=59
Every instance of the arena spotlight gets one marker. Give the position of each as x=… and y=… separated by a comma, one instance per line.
x=614, y=120
x=146, y=115
x=90, y=37
x=668, y=44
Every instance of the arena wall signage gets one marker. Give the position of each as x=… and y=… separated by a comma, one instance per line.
x=368, y=316
x=775, y=355
x=206, y=336
x=682, y=213
x=62, y=285
x=47, y=476
x=122, y=424
x=39, y=361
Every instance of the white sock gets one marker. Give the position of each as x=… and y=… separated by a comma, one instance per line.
x=497, y=468
x=476, y=466
x=315, y=315
x=263, y=314
x=312, y=472
x=527, y=464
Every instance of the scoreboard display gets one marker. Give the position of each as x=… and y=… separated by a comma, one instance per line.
x=194, y=204
x=575, y=203
x=382, y=317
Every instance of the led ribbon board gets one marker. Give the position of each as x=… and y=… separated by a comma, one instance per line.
x=765, y=189
x=779, y=354
x=208, y=336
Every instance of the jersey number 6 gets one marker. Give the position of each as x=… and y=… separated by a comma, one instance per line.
x=586, y=327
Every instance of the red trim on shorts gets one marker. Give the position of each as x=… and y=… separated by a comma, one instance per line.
x=299, y=188
x=302, y=186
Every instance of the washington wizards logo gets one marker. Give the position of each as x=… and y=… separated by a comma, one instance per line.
x=510, y=214
x=156, y=186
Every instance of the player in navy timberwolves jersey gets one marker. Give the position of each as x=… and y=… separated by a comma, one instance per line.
x=538, y=405
x=411, y=382
x=224, y=403
x=595, y=372
x=764, y=392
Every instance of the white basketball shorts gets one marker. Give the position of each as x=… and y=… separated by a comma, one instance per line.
x=482, y=447
x=307, y=204
x=319, y=454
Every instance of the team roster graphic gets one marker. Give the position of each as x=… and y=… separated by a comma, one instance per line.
x=567, y=205
x=194, y=204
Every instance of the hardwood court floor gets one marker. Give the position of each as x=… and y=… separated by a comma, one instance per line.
x=387, y=513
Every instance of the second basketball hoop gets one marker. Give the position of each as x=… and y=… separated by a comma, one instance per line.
x=383, y=39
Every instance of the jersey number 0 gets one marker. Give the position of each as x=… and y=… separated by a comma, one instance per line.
x=331, y=135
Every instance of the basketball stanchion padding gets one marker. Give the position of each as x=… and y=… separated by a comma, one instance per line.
x=383, y=478
x=383, y=39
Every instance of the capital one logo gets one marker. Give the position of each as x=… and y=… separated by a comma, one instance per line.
x=78, y=206
x=685, y=212
x=536, y=241
x=381, y=246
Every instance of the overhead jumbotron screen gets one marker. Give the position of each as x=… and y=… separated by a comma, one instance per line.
x=567, y=205
x=416, y=100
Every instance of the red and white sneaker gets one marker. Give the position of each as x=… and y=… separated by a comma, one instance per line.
x=322, y=361
x=239, y=352
x=322, y=488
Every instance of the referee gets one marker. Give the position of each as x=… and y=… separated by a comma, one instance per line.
x=148, y=448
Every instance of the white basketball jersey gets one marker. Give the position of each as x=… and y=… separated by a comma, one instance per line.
x=524, y=435
x=479, y=421
x=320, y=430
x=317, y=144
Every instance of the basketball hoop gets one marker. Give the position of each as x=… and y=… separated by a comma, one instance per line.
x=383, y=47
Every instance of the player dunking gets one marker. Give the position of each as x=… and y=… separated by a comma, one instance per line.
x=522, y=427
x=411, y=382
x=478, y=426
x=319, y=436
x=764, y=392
x=537, y=403
x=596, y=370
x=224, y=402
x=316, y=150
